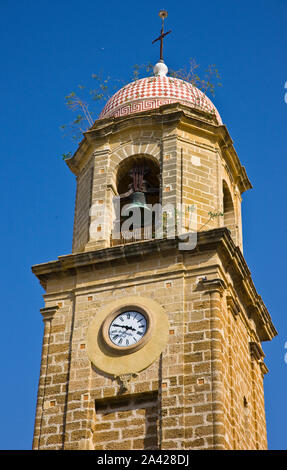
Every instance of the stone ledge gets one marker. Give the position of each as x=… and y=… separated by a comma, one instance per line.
x=127, y=252
x=217, y=240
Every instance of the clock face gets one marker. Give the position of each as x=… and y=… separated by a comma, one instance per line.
x=127, y=328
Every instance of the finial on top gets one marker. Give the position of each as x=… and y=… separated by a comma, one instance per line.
x=162, y=14
x=160, y=69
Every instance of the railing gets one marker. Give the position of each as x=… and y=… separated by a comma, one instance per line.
x=142, y=233
x=123, y=238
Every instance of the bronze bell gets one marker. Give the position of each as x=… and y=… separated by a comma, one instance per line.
x=138, y=201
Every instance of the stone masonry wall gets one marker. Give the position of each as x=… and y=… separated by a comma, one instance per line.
x=191, y=397
x=82, y=208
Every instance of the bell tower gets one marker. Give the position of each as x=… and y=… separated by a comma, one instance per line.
x=152, y=338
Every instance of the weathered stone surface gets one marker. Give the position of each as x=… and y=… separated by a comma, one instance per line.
x=206, y=388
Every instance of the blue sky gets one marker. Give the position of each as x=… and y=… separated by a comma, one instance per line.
x=47, y=49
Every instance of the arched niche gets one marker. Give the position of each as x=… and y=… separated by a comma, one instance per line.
x=147, y=168
x=228, y=211
x=124, y=178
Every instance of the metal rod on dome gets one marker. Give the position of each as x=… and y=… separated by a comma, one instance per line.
x=162, y=14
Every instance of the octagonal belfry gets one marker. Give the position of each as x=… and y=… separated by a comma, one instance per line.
x=149, y=343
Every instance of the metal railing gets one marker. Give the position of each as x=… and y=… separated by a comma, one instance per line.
x=136, y=235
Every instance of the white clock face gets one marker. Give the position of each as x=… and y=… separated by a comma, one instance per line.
x=128, y=328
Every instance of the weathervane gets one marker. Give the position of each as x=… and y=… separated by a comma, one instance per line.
x=162, y=14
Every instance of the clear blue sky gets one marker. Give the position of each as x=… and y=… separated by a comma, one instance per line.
x=47, y=49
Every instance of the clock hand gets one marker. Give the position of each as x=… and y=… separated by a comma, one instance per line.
x=126, y=327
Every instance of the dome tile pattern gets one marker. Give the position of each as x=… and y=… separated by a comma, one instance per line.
x=152, y=92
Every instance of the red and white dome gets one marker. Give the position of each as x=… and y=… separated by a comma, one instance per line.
x=152, y=92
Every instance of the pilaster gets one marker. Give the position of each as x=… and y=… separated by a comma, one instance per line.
x=48, y=315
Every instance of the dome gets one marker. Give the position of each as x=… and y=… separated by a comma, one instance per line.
x=149, y=93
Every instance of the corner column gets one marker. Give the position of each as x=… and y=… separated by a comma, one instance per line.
x=215, y=289
x=48, y=315
x=100, y=210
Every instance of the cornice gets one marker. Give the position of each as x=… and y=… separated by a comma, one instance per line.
x=217, y=240
x=170, y=115
x=104, y=128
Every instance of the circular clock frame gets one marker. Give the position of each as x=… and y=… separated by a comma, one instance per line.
x=139, y=344
x=108, y=358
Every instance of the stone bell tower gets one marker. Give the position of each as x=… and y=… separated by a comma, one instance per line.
x=149, y=343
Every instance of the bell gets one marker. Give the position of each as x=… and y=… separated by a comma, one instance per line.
x=138, y=201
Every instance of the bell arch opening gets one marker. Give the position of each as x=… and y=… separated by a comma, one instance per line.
x=228, y=211
x=138, y=186
x=152, y=176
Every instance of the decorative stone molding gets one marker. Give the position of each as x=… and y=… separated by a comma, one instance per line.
x=213, y=285
x=140, y=147
x=49, y=312
x=233, y=305
x=170, y=114
x=256, y=351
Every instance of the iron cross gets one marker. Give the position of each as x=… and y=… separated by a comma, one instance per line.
x=163, y=15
